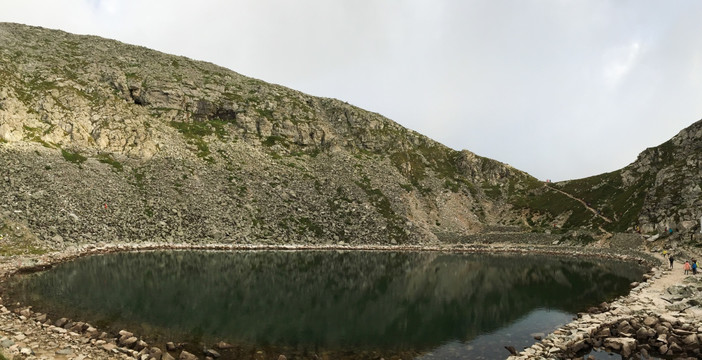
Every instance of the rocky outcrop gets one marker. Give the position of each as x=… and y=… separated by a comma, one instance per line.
x=102, y=141
x=672, y=170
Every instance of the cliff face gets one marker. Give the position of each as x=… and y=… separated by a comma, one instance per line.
x=102, y=141
x=673, y=171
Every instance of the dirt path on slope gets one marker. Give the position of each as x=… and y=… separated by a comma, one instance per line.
x=594, y=211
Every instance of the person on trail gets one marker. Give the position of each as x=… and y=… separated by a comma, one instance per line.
x=694, y=267
x=670, y=258
x=687, y=267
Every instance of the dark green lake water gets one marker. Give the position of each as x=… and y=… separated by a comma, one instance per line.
x=355, y=304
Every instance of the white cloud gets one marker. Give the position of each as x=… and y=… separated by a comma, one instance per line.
x=619, y=62
x=106, y=7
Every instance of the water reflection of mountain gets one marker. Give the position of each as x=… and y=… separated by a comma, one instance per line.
x=331, y=299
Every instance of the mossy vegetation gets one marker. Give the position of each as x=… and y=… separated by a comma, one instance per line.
x=273, y=140
x=306, y=224
x=432, y=160
x=266, y=113
x=15, y=240
x=493, y=191
x=75, y=158
x=138, y=178
x=384, y=207
x=140, y=183
x=196, y=131
x=21, y=249
x=34, y=134
x=608, y=194
x=109, y=160
x=549, y=204
x=32, y=88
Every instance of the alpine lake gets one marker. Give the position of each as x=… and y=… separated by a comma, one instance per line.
x=327, y=304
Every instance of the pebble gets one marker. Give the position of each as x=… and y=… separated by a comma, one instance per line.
x=67, y=351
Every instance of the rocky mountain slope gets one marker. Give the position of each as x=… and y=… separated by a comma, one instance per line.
x=661, y=190
x=102, y=141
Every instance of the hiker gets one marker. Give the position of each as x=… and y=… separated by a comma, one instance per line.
x=694, y=267
x=687, y=267
x=670, y=258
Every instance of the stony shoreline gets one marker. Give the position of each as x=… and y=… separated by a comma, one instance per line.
x=659, y=317
x=31, y=335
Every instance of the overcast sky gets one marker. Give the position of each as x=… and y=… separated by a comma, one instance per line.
x=560, y=89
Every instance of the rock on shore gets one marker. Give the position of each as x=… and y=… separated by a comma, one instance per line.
x=660, y=317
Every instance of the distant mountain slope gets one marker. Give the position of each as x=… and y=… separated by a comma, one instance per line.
x=103, y=141
x=661, y=190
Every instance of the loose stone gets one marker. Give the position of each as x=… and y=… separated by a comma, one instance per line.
x=213, y=353
x=184, y=355
x=223, y=345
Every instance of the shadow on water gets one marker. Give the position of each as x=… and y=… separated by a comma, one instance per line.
x=425, y=305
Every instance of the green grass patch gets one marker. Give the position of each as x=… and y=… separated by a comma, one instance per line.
x=138, y=179
x=384, y=207
x=75, y=158
x=607, y=193
x=139, y=183
x=407, y=187
x=195, y=132
x=308, y=225
x=492, y=191
x=12, y=249
x=16, y=242
x=425, y=159
x=109, y=160
x=268, y=114
x=274, y=139
x=32, y=88
x=552, y=203
x=35, y=135
x=193, y=129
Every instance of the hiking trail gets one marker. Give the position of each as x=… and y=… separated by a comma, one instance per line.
x=592, y=210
